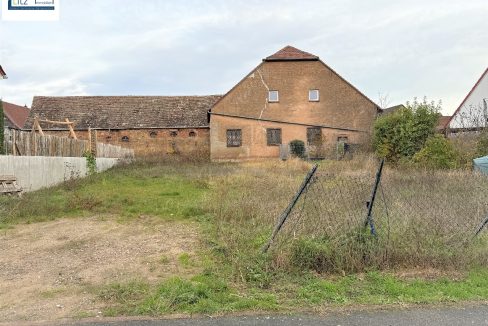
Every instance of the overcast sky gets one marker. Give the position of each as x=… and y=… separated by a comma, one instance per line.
x=403, y=49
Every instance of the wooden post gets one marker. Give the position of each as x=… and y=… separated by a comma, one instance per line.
x=14, y=140
x=35, y=143
x=89, y=140
x=95, y=142
x=34, y=125
x=71, y=129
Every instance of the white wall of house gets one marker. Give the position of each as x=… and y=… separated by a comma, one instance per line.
x=473, y=113
x=37, y=172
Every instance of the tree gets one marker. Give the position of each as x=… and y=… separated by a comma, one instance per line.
x=2, y=129
x=438, y=153
x=401, y=134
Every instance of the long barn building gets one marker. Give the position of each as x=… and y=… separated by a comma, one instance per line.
x=290, y=95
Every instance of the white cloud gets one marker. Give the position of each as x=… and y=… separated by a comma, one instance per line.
x=406, y=49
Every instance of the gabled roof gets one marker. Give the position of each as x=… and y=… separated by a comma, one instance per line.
x=124, y=112
x=289, y=53
x=443, y=122
x=16, y=115
x=467, y=96
x=394, y=108
x=3, y=74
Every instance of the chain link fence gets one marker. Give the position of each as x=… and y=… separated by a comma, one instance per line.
x=417, y=218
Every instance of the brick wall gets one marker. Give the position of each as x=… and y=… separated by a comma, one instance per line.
x=153, y=142
x=254, y=139
x=340, y=106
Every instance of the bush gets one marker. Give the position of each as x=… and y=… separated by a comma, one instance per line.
x=297, y=148
x=403, y=133
x=482, y=145
x=438, y=153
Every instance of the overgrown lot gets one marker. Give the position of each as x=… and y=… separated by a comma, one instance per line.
x=234, y=208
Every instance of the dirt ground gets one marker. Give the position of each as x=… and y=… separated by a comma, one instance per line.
x=48, y=270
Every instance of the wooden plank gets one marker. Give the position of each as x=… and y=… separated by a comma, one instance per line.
x=10, y=178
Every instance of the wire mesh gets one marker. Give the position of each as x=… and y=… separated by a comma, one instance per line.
x=420, y=217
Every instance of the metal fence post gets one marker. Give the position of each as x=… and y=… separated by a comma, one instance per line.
x=287, y=211
x=369, y=218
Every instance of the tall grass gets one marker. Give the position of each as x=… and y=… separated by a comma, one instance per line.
x=422, y=218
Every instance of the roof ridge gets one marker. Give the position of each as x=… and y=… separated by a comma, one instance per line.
x=124, y=96
x=291, y=53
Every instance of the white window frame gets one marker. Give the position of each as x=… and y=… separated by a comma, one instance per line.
x=310, y=92
x=277, y=96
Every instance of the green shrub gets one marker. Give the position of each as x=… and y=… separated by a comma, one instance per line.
x=297, y=148
x=91, y=162
x=438, y=153
x=482, y=145
x=404, y=132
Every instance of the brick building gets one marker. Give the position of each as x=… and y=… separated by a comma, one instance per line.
x=14, y=115
x=151, y=125
x=291, y=95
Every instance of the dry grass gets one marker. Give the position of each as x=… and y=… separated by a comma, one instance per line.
x=423, y=218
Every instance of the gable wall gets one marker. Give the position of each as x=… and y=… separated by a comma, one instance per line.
x=340, y=106
x=472, y=113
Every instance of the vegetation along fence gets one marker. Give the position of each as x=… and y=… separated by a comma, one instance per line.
x=351, y=220
x=21, y=143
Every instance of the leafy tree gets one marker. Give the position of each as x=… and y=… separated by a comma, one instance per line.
x=438, y=153
x=401, y=134
x=2, y=129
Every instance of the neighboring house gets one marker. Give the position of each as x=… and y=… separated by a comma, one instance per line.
x=472, y=113
x=392, y=109
x=151, y=125
x=14, y=115
x=442, y=123
x=3, y=74
x=291, y=95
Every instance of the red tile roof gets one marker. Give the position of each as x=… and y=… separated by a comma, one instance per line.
x=124, y=112
x=442, y=123
x=3, y=74
x=15, y=115
x=289, y=53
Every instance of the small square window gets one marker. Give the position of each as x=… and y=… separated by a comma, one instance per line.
x=313, y=95
x=273, y=137
x=273, y=96
x=234, y=137
x=314, y=136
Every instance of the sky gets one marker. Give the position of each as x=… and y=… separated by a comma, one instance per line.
x=393, y=50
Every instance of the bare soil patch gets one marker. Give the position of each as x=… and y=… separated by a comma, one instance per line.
x=48, y=271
